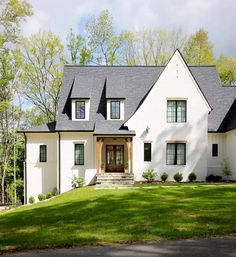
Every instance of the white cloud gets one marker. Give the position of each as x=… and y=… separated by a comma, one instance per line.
x=216, y=16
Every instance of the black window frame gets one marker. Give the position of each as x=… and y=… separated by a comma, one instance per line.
x=79, y=160
x=147, y=153
x=111, y=113
x=176, y=112
x=215, y=150
x=82, y=117
x=43, y=153
x=175, y=159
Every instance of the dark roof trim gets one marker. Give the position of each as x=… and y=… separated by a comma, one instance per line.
x=194, y=77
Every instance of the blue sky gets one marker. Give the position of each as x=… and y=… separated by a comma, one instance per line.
x=216, y=16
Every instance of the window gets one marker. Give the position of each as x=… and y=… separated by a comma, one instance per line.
x=79, y=154
x=115, y=109
x=80, y=109
x=214, y=150
x=176, y=154
x=147, y=152
x=176, y=111
x=42, y=153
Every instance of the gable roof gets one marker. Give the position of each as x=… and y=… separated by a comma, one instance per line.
x=105, y=82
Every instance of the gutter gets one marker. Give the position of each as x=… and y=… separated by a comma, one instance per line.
x=59, y=162
x=25, y=170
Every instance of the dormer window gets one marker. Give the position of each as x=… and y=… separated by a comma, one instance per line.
x=80, y=110
x=115, y=109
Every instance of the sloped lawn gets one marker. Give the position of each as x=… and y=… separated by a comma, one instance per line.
x=88, y=217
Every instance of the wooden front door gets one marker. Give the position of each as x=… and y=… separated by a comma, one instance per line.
x=114, y=158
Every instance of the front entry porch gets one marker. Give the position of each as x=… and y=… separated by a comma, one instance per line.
x=114, y=162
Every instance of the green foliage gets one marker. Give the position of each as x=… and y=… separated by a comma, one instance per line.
x=10, y=189
x=198, y=49
x=227, y=70
x=178, y=177
x=164, y=176
x=43, y=60
x=149, y=175
x=192, y=177
x=139, y=211
x=31, y=200
x=54, y=191
x=77, y=182
x=41, y=197
x=48, y=195
x=102, y=40
x=226, y=169
x=78, y=51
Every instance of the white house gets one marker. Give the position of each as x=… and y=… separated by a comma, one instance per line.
x=176, y=118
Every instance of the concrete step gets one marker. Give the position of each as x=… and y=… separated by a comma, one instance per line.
x=115, y=178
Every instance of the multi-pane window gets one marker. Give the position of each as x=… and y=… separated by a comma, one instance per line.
x=115, y=109
x=80, y=109
x=42, y=153
x=79, y=154
x=214, y=150
x=176, y=111
x=147, y=152
x=176, y=154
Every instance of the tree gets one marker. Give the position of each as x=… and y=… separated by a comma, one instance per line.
x=102, y=40
x=12, y=13
x=198, y=49
x=43, y=59
x=78, y=50
x=150, y=46
x=227, y=70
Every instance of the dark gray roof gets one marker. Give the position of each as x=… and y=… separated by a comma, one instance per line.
x=49, y=127
x=104, y=82
x=115, y=86
x=229, y=121
x=82, y=86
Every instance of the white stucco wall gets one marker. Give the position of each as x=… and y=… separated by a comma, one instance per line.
x=41, y=176
x=231, y=151
x=68, y=169
x=214, y=163
x=174, y=83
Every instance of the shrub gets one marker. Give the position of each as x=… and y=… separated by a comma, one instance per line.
x=164, y=176
x=54, y=191
x=149, y=175
x=77, y=182
x=178, y=177
x=213, y=178
x=192, y=177
x=226, y=170
x=31, y=199
x=48, y=195
x=41, y=197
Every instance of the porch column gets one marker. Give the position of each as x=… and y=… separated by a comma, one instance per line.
x=129, y=150
x=99, y=144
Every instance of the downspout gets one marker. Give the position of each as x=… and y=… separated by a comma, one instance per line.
x=59, y=162
x=25, y=170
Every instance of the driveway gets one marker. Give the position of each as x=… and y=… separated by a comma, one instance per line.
x=217, y=247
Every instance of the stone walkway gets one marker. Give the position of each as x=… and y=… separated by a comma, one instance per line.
x=114, y=186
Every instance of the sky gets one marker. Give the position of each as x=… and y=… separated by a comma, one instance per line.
x=216, y=16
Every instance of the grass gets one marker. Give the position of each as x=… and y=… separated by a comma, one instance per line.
x=90, y=217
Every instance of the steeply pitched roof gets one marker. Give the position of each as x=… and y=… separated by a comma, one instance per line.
x=82, y=86
x=49, y=127
x=104, y=82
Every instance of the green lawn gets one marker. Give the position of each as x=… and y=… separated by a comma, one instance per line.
x=87, y=216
